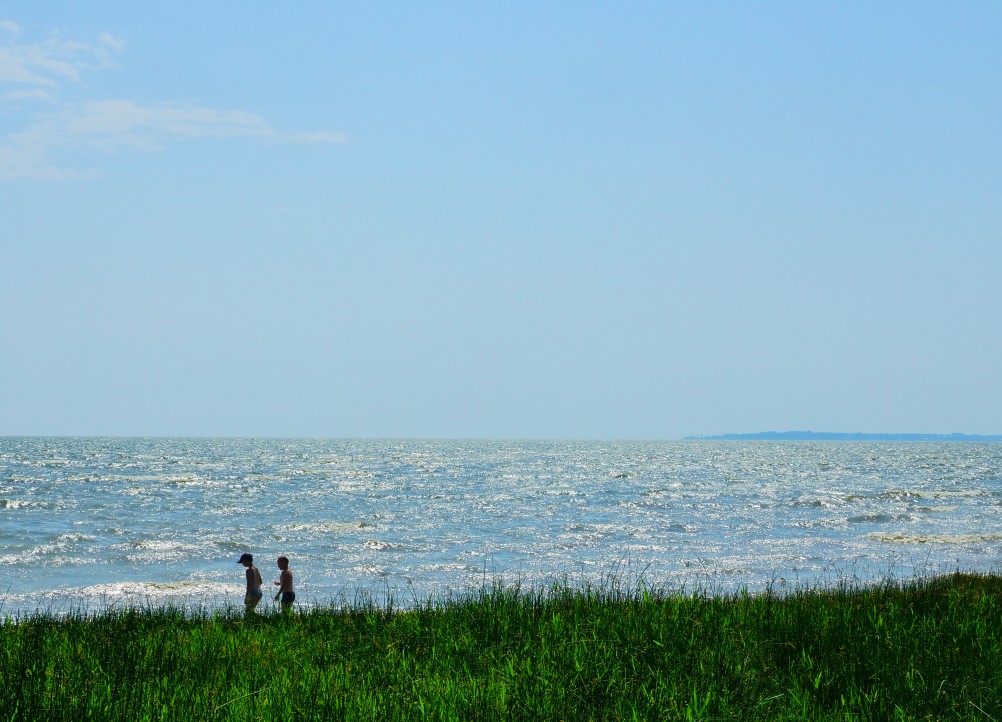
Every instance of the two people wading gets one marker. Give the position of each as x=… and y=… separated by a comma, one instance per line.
x=254, y=593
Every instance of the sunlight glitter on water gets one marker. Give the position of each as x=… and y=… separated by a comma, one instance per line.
x=422, y=518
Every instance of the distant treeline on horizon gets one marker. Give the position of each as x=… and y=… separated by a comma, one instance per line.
x=840, y=436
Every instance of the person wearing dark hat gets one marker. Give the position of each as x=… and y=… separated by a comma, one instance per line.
x=253, y=594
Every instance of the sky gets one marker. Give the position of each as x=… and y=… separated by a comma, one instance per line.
x=500, y=220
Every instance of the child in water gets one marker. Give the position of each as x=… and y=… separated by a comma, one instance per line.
x=285, y=585
x=253, y=594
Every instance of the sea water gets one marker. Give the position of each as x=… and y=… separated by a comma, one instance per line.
x=92, y=522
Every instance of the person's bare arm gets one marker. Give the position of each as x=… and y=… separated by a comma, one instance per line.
x=284, y=582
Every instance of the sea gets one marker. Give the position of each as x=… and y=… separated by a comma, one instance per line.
x=92, y=523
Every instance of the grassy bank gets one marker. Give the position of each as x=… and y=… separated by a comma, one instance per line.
x=927, y=649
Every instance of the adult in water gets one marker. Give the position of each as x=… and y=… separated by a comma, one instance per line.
x=253, y=594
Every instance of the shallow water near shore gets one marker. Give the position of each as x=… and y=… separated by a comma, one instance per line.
x=96, y=522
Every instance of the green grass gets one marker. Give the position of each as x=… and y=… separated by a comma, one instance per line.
x=925, y=649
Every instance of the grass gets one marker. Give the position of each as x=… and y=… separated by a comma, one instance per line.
x=919, y=650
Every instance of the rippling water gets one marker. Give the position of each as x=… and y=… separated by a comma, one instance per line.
x=93, y=521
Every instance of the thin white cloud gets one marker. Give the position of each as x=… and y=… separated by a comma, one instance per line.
x=33, y=94
x=38, y=71
x=116, y=125
x=123, y=124
x=112, y=42
x=30, y=162
x=113, y=126
x=52, y=62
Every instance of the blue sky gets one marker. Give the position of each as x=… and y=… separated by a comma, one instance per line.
x=576, y=220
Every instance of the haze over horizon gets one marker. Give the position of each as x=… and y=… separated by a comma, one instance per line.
x=850, y=435
x=577, y=220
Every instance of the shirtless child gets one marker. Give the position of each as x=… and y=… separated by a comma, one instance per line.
x=253, y=594
x=285, y=585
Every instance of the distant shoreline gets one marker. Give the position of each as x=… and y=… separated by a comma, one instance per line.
x=841, y=436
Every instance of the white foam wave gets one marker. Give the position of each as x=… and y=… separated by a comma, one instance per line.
x=48, y=555
x=381, y=546
x=164, y=545
x=77, y=536
x=15, y=504
x=898, y=538
x=907, y=494
x=331, y=527
x=139, y=592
